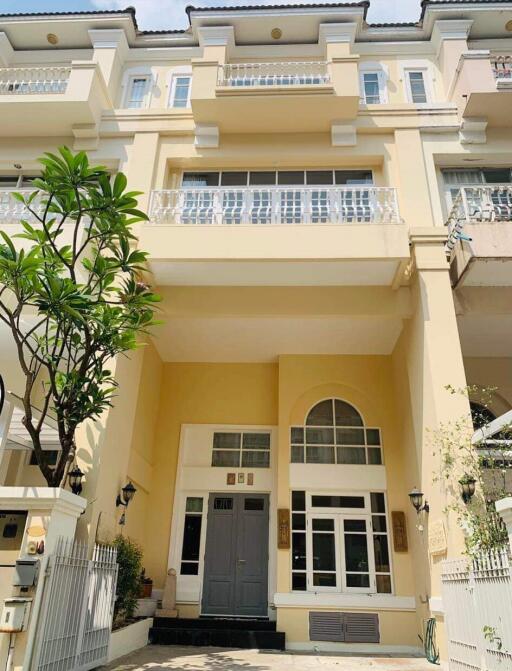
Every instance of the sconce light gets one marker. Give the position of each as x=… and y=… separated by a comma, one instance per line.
x=75, y=480
x=467, y=488
x=127, y=494
x=417, y=501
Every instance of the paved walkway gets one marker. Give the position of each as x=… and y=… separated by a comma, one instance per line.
x=163, y=658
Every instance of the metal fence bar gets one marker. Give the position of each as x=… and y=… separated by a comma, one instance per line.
x=477, y=599
x=77, y=608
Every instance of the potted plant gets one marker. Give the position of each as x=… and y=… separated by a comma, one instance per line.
x=146, y=586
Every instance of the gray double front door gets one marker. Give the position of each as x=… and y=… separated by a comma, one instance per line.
x=235, y=578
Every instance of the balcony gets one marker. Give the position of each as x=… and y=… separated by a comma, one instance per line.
x=264, y=97
x=319, y=235
x=480, y=236
x=37, y=101
x=482, y=87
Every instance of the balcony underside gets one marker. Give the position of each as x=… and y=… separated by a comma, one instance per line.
x=351, y=255
x=485, y=260
x=495, y=106
x=279, y=110
x=41, y=115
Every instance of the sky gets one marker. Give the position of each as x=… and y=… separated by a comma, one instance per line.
x=161, y=14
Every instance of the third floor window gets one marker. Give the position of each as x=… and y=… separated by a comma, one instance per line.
x=241, y=178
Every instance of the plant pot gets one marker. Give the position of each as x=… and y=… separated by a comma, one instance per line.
x=145, y=590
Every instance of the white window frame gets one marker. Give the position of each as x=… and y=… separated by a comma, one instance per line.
x=382, y=77
x=172, y=88
x=428, y=78
x=127, y=82
x=340, y=514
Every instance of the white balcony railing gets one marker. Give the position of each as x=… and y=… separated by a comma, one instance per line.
x=275, y=205
x=11, y=209
x=502, y=67
x=21, y=81
x=479, y=204
x=273, y=74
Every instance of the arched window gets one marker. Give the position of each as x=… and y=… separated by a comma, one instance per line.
x=334, y=433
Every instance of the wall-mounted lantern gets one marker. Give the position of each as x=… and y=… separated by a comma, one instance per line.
x=124, y=498
x=467, y=487
x=75, y=480
x=417, y=501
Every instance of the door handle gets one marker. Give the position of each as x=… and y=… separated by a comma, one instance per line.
x=240, y=561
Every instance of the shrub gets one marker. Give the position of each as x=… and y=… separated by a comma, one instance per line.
x=129, y=558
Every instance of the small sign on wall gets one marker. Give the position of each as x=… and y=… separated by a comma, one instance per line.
x=437, y=543
x=400, y=543
x=231, y=478
x=283, y=529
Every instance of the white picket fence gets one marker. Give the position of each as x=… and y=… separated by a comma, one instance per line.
x=77, y=605
x=477, y=600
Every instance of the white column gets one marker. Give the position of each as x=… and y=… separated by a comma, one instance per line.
x=504, y=508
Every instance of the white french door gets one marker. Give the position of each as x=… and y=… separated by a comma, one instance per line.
x=339, y=553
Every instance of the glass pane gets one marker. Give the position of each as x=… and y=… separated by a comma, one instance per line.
x=194, y=504
x=297, y=434
x=320, y=436
x=299, y=581
x=372, y=436
x=200, y=179
x=298, y=500
x=290, y=177
x=383, y=584
x=323, y=524
x=356, y=552
x=380, y=547
x=319, y=177
x=254, y=504
x=374, y=455
x=298, y=521
x=354, y=525
x=297, y=454
x=324, y=579
x=379, y=523
x=318, y=501
x=350, y=455
x=226, y=458
x=358, y=580
x=262, y=178
x=233, y=179
x=353, y=177
x=189, y=568
x=496, y=175
x=321, y=414
x=191, y=537
x=226, y=441
x=299, y=551
x=417, y=84
x=319, y=455
x=371, y=88
x=181, y=91
x=350, y=436
x=377, y=503
x=137, y=92
x=324, y=553
x=346, y=414
x=223, y=503
x=256, y=441
x=255, y=459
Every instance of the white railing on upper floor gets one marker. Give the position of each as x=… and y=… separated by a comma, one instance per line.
x=479, y=204
x=11, y=209
x=274, y=74
x=21, y=81
x=502, y=67
x=267, y=205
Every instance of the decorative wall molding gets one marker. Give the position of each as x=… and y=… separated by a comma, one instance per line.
x=473, y=131
x=207, y=136
x=343, y=135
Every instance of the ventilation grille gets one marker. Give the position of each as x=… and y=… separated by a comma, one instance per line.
x=344, y=627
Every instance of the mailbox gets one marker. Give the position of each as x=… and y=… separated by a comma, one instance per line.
x=15, y=615
x=25, y=572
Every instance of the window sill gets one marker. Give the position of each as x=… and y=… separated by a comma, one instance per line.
x=324, y=600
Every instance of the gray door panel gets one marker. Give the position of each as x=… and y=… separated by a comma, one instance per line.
x=236, y=560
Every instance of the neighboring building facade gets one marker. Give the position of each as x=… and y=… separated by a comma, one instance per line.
x=300, y=168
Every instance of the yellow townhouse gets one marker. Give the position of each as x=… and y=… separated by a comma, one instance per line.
x=330, y=228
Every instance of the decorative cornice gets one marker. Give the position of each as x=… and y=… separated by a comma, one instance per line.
x=216, y=36
x=336, y=33
x=450, y=29
x=41, y=498
x=114, y=38
x=6, y=50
